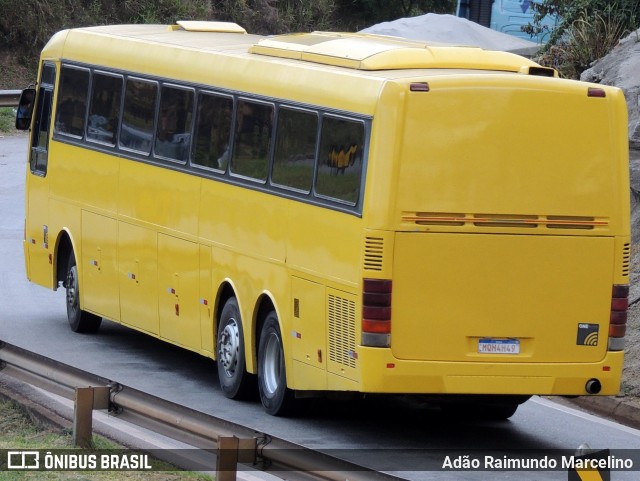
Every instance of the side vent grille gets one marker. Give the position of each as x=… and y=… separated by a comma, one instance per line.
x=626, y=257
x=505, y=220
x=373, y=253
x=342, y=331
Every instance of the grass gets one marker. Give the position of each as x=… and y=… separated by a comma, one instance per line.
x=20, y=432
x=7, y=119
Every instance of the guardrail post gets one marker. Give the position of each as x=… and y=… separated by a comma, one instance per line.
x=231, y=451
x=87, y=399
x=227, y=463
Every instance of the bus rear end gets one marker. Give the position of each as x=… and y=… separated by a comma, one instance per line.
x=506, y=269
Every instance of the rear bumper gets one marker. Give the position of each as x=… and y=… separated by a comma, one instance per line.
x=383, y=373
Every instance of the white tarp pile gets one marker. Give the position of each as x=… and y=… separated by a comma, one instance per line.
x=453, y=30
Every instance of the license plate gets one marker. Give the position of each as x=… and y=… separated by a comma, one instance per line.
x=498, y=346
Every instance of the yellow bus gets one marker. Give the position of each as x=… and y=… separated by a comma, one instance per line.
x=334, y=213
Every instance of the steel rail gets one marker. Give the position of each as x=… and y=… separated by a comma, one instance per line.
x=9, y=98
x=276, y=456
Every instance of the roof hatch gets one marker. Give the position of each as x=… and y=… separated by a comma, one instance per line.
x=375, y=52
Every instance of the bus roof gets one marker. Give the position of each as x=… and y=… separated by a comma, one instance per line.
x=317, y=68
x=350, y=50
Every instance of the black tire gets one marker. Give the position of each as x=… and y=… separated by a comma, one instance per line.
x=277, y=399
x=235, y=382
x=79, y=320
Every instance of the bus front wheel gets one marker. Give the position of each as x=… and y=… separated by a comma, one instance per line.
x=79, y=320
x=276, y=398
x=235, y=382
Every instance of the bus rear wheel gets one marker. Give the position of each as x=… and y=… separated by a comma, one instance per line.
x=79, y=320
x=235, y=382
x=276, y=398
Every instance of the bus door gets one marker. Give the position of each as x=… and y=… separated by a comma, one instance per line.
x=36, y=226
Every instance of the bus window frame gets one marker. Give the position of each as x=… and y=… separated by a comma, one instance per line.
x=366, y=135
x=105, y=145
x=219, y=173
x=86, y=108
x=231, y=173
x=154, y=119
x=226, y=176
x=318, y=114
x=45, y=93
x=194, y=102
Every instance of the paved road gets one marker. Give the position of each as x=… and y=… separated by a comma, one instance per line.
x=34, y=318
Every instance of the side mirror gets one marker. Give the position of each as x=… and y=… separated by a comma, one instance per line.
x=25, y=109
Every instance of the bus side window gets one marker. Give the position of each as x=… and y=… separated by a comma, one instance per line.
x=40, y=136
x=213, y=131
x=72, y=101
x=295, y=152
x=104, y=109
x=340, y=162
x=252, y=141
x=136, y=131
x=173, y=132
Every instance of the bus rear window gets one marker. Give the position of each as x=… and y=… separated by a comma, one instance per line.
x=340, y=162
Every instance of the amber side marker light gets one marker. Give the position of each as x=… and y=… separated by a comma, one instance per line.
x=419, y=87
x=596, y=92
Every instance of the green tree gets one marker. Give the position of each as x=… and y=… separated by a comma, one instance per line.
x=276, y=16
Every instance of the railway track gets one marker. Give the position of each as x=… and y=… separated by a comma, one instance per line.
x=208, y=434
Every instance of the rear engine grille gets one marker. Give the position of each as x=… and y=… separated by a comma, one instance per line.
x=342, y=331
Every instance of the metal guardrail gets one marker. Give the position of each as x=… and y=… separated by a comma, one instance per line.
x=278, y=457
x=9, y=98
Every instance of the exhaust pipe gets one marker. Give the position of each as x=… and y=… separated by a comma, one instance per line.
x=593, y=386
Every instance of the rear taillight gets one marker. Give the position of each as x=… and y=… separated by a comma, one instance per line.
x=376, y=312
x=618, y=317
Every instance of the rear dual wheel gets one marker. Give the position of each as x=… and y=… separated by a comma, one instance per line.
x=235, y=382
x=276, y=398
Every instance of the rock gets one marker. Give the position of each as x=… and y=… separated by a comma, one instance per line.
x=621, y=68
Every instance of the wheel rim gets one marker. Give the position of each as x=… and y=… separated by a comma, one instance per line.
x=272, y=364
x=229, y=350
x=72, y=289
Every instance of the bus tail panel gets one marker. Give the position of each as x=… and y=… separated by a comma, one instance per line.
x=501, y=298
